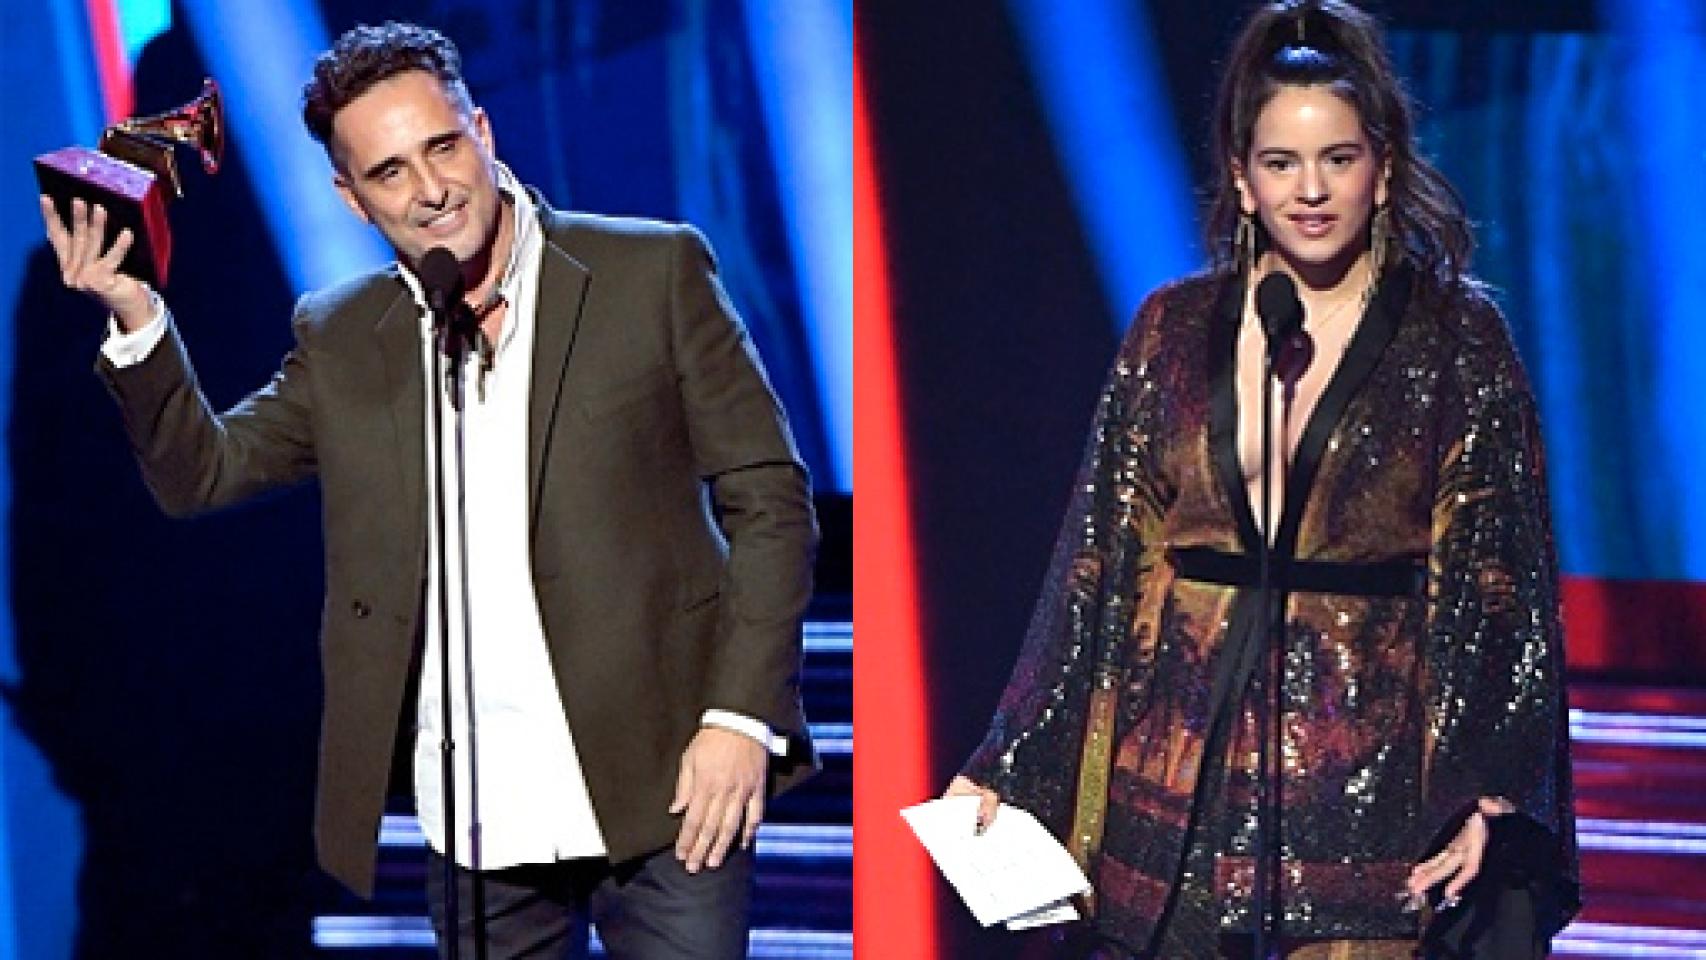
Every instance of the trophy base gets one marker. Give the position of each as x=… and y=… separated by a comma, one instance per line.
x=131, y=196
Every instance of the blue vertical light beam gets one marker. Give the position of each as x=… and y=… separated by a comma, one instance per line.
x=803, y=58
x=41, y=830
x=261, y=52
x=1667, y=68
x=1560, y=370
x=1096, y=69
x=82, y=103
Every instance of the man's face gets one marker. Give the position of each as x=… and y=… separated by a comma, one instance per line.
x=419, y=169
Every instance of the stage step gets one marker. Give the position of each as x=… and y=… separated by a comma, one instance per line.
x=1640, y=764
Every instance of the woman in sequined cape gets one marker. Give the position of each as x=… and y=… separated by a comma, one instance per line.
x=1401, y=710
x=1423, y=664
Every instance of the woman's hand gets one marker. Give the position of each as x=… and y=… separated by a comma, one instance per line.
x=1459, y=862
x=987, y=800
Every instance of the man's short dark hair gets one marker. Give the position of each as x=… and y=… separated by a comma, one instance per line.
x=364, y=56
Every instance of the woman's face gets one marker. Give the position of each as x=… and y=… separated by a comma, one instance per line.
x=1313, y=178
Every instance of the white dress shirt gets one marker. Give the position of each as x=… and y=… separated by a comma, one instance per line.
x=533, y=805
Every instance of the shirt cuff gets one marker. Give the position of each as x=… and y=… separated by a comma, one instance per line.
x=751, y=726
x=129, y=349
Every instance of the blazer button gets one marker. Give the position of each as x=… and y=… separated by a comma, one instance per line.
x=360, y=609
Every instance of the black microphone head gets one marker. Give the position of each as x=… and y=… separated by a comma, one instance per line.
x=1277, y=305
x=441, y=277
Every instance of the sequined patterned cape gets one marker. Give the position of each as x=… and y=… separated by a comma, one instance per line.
x=1401, y=708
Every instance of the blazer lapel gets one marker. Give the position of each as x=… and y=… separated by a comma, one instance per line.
x=562, y=295
x=399, y=334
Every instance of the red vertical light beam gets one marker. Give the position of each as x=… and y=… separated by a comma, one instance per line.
x=117, y=91
x=894, y=915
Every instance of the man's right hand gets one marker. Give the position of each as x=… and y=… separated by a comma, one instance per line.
x=86, y=269
x=987, y=800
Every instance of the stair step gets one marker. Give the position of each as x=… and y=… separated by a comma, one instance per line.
x=1677, y=911
x=393, y=935
x=1615, y=941
x=1651, y=701
x=1669, y=885
x=1640, y=770
x=1632, y=764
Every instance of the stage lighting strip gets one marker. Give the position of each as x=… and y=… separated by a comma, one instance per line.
x=1640, y=836
x=372, y=932
x=1638, y=729
x=1617, y=940
x=774, y=839
x=829, y=636
x=819, y=841
x=833, y=739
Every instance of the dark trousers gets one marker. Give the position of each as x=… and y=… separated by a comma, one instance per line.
x=648, y=908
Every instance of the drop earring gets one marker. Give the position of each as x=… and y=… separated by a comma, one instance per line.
x=1244, y=243
x=1379, y=238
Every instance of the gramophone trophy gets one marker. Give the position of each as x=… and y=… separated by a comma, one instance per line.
x=131, y=173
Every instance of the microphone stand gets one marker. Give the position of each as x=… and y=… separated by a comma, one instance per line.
x=1266, y=859
x=1270, y=663
x=452, y=332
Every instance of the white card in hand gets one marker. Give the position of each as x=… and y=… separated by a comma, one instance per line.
x=1015, y=867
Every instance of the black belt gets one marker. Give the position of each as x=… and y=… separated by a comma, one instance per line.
x=1388, y=578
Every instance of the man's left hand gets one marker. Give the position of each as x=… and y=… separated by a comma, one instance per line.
x=721, y=792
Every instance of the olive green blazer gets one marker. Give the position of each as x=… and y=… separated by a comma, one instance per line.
x=671, y=521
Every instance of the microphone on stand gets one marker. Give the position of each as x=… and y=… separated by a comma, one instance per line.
x=1289, y=351
x=453, y=327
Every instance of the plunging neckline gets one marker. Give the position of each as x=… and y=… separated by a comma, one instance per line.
x=1322, y=348
x=1374, y=331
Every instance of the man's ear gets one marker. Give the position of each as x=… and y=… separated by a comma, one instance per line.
x=483, y=130
x=342, y=184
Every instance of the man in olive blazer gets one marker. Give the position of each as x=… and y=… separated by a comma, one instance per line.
x=669, y=525
x=643, y=384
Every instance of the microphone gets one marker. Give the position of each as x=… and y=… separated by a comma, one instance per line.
x=1290, y=349
x=1279, y=308
x=441, y=277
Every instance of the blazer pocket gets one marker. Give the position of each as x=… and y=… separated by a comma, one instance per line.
x=611, y=398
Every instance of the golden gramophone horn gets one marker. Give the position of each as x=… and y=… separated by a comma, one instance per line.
x=199, y=124
x=130, y=174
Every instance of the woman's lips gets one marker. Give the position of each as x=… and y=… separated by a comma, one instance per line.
x=1313, y=226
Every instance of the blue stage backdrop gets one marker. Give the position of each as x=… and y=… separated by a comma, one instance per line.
x=160, y=680
x=1038, y=167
